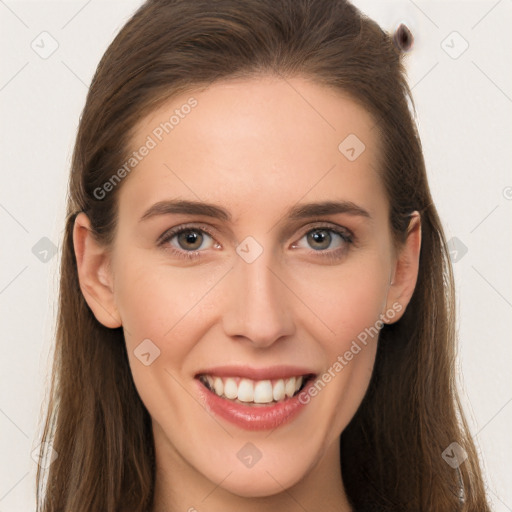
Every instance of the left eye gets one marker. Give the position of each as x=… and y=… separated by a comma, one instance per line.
x=320, y=239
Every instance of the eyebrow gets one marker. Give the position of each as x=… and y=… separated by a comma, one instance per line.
x=297, y=212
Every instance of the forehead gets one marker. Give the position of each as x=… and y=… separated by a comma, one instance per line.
x=254, y=144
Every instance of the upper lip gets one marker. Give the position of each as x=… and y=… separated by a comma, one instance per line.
x=249, y=372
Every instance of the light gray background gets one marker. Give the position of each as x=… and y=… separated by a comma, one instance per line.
x=464, y=107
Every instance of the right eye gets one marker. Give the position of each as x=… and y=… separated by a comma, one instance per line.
x=187, y=241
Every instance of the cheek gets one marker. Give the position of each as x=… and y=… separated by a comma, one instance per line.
x=346, y=299
x=160, y=307
x=172, y=308
x=350, y=304
x=359, y=310
x=155, y=300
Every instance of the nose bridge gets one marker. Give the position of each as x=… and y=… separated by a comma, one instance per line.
x=259, y=308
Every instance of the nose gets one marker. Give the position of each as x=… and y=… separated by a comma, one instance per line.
x=258, y=308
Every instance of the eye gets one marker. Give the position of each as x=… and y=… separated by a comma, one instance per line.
x=187, y=241
x=326, y=241
x=190, y=239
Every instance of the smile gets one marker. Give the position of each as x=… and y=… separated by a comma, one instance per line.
x=248, y=391
x=254, y=399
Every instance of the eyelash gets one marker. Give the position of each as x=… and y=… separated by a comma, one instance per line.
x=333, y=255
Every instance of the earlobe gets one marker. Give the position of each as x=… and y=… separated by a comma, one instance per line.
x=94, y=273
x=405, y=272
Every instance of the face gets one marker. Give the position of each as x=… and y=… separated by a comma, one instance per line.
x=266, y=284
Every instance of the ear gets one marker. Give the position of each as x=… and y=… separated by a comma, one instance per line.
x=94, y=274
x=405, y=272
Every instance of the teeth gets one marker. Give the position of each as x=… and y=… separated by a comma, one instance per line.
x=263, y=392
x=289, y=387
x=230, y=389
x=245, y=391
x=278, y=391
x=250, y=391
x=218, y=386
x=208, y=380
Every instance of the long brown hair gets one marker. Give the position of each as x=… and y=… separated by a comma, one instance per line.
x=391, y=452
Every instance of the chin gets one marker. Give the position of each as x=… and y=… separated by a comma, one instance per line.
x=264, y=478
x=247, y=484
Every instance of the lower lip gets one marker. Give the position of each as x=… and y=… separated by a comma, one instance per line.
x=259, y=417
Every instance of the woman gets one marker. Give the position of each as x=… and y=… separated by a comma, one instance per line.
x=256, y=303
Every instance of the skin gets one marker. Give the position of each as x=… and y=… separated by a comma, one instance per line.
x=255, y=147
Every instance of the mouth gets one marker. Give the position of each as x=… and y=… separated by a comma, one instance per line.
x=255, y=393
x=256, y=398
